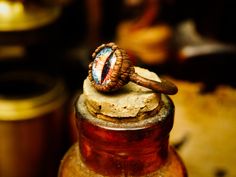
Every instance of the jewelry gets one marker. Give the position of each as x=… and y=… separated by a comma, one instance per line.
x=112, y=69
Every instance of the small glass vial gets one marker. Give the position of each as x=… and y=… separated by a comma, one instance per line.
x=123, y=147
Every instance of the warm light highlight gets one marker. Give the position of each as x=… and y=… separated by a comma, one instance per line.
x=10, y=10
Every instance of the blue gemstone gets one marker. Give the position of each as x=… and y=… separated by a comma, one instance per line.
x=103, y=66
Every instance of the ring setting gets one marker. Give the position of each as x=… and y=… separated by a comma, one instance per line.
x=111, y=69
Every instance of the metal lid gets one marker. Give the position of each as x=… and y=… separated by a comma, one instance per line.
x=26, y=95
x=18, y=16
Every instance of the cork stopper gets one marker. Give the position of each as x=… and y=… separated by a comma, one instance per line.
x=131, y=101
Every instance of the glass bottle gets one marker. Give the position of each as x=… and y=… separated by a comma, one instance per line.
x=111, y=147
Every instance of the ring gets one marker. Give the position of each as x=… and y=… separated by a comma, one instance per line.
x=111, y=69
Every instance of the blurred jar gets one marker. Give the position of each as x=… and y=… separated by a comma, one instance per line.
x=16, y=15
x=31, y=124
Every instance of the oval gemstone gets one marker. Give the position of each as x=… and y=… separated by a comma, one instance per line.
x=103, y=65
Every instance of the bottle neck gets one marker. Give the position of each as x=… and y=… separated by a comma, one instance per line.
x=125, y=151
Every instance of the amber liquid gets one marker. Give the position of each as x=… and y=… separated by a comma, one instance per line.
x=123, y=149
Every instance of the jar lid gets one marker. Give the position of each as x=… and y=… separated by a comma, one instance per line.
x=18, y=16
x=27, y=94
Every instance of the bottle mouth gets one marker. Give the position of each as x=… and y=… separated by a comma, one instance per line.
x=163, y=116
x=28, y=94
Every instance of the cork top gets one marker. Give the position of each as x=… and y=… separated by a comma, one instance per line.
x=131, y=101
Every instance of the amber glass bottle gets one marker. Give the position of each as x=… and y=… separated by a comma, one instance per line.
x=123, y=148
